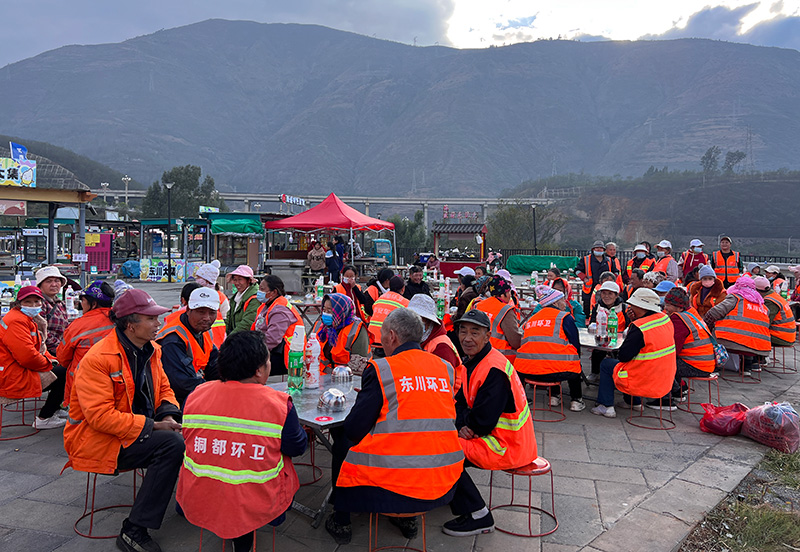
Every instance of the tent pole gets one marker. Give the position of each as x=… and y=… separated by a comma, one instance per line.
x=352, y=253
x=394, y=243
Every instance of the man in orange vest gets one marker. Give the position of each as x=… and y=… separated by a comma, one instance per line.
x=639, y=260
x=665, y=262
x=400, y=451
x=495, y=425
x=506, y=335
x=589, y=269
x=726, y=262
x=386, y=303
x=646, y=359
x=434, y=334
x=188, y=353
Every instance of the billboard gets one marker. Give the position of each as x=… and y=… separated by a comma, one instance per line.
x=17, y=173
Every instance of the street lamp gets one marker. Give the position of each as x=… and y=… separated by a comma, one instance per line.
x=257, y=206
x=126, y=179
x=169, y=186
x=535, y=242
x=104, y=185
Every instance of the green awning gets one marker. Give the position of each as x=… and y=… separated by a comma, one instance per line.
x=248, y=227
x=525, y=264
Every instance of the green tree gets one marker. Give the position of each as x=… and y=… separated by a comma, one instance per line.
x=732, y=158
x=710, y=161
x=511, y=225
x=410, y=233
x=187, y=194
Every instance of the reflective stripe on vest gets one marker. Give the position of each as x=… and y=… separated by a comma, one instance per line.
x=234, y=425
x=726, y=269
x=199, y=354
x=496, y=337
x=697, y=351
x=725, y=327
x=529, y=341
x=76, y=338
x=651, y=372
x=232, y=477
x=340, y=347
x=783, y=326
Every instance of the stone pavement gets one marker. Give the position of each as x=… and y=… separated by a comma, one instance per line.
x=618, y=487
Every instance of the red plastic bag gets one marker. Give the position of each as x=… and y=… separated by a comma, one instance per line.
x=723, y=420
x=775, y=425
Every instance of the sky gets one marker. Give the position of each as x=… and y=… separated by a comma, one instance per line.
x=49, y=24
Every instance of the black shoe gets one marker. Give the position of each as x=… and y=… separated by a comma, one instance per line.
x=340, y=533
x=661, y=404
x=134, y=538
x=407, y=525
x=464, y=526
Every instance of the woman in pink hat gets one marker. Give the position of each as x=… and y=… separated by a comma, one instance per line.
x=244, y=303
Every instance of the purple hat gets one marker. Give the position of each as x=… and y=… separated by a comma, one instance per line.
x=95, y=290
x=137, y=301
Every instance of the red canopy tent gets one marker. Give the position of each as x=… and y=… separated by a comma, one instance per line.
x=332, y=214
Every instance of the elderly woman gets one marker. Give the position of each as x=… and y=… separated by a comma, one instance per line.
x=207, y=276
x=707, y=292
x=28, y=369
x=50, y=281
x=276, y=319
x=340, y=332
x=244, y=304
x=652, y=279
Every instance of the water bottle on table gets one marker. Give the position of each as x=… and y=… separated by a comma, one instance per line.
x=312, y=362
x=296, y=360
x=613, y=322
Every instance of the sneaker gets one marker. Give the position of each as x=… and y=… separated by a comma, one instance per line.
x=607, y=411
x=407, y=525
x=577, y=406
x=134, y=538
x=655, y=404
x=466, y=525
x=629, y=406
x=756, y=368
x=746, y=373
x=555, y=401
x=342, y=534
x=593, y=378
x=53, y=422
x=62, y=413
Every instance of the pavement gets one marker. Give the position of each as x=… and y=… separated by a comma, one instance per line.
x=617, y=487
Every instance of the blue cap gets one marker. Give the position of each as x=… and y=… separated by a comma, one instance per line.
x=665, y=286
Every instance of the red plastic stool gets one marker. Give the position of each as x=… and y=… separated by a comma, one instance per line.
x=782, y=365
x=711, y=378
x=316, y=471
x=19, y=405
x=255, y=536
x=540, y=466
x=559, y=414
x=89, y=511
x=373, y=523
x=637, y=420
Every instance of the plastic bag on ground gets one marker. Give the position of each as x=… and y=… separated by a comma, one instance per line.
x=776, y=425
x=723, y=420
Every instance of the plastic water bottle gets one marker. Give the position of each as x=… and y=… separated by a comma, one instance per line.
x=5, y=301
x=69, y=299
x=612, y=327
x=312, y=362
x=320, y=289
x=424, y=274
x=27, y=282
x=295, y=367
x=17, y=285
x=534, y=278
x=785, y=289
x=602, y=324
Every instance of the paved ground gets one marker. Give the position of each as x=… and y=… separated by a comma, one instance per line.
x=618, y=487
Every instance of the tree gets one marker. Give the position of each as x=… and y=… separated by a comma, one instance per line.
x=187, y=194
x=710, y=161
x=732, y=158
x=410, y=234
x=511, y=225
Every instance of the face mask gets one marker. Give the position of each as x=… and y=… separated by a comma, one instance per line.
x=661, y=301
x=30, y=311
x=698, y=249
x=641, y=255
x=427, y=333
x=327, y=319
x=707, y=283
x=261, y=296
x=770, y=278
x=598, y=253
x=350, y=281
x=661, y=254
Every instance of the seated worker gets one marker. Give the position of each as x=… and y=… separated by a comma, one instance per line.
x=661, y=290
x=380, y=284
x=123, y=415
x=741, y=322
x=607, y=276
x=609, y=301
x=28, y=369
x=82, y=333
x=495, y=425
x=340, y=332
x=693, y=347
x=652, y=279
x=188, y=353
x=506, y=335
x=782, y=326
x=463, y=283
x=398, y=451
x=575, y=307
x=349, y=286
x=386, y=303
x=773, y=274
x=646, y=359
x=635, y=281
x=244, y=303
x=218, y=331
x=707, y=291
x=245, y=471
x=434, y=335
x=415, y=284
x=480, y=271
x=51, y=282
x=753, y=270
x=276, y=320
x=551, y=348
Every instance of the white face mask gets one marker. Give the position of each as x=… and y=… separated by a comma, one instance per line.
x=598, y=253
x=697, y=249
x=350, y=281
x=427, y=332
x=641, y=254
x=661, y=254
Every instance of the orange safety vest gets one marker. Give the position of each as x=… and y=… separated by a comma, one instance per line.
x=646, y=266
x=287, y=337
x=587, y=261
x=340, y=351
x=783, y=326
x=545, y=348
x=496, y=310
x=218, y=330
x=199, y=355
x=359, y=308
x=413, y=449
x=431, y=345
x=233, y=458
x=697, y=350
x=746, y=325
x=512, y=442
x=79, y=337
x=652, y=371
x=385, y=304
x=662, y=263
x=726, y=270
x=777, y=283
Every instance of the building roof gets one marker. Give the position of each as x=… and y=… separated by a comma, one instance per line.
x=50, y=175
x=471, y=228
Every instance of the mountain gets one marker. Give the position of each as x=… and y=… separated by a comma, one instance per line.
x=306, y=109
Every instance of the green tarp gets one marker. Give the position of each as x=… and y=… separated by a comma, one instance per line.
x=241, y=226
x=525, y=264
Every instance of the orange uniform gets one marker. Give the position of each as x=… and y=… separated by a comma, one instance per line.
x=697, y=350
x=385, y=304
x=651, y=373
x=747, y=325
x=79, y=337
x=545, y=348
x=496, y=310
x=20, y=342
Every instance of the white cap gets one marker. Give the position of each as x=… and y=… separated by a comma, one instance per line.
x=770, y=268
x=425, y=306
x=666, y=244
x=204, y=297
x=465, y=271
x=610, y=286
x=696, y=243
x=646, y=299
x=49, y=272
x=640, y=247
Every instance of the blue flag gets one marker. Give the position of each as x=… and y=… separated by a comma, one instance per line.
x=19, y=152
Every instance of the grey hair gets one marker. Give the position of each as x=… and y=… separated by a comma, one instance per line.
x=405, y=323
x=611, y=244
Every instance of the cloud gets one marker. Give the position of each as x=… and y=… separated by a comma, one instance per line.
x=522, y=22
x=722, y=23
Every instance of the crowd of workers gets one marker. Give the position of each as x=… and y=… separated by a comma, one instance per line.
x=187, y=399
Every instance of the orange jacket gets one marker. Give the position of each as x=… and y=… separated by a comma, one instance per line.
x=413, y=449
x=512, y=443
x=496, y=310
x=340, y=351
x=385, y=304
x=697, y=350
x=747, y=324
x=652, y=371
x=20, y=342
x=545, y=348
x=726, y=271
x=100, y=416
x=79, y=337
